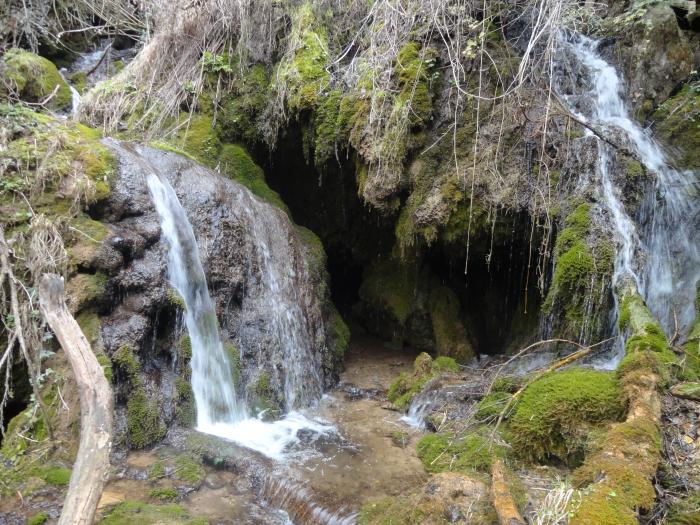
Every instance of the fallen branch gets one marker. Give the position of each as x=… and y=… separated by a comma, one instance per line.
x=92, y=463
x=506, y=510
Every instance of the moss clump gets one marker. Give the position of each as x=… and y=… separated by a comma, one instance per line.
x=262, y=396
x=86, y=290
x=234, y=359
x=189, y=470
x=554, y=413
x=144, y=427
x=130, y=512
x=491, y=406
x=126, y=363
x=106, y=365
x=303, y=74
x=163, y=494
x=175, y=299
x=391, y=511
x=157, y=470
x=38, y=518
x=185, y=411
x=34, y=78
x=412, y=70
x=184, y=348
x=445, y=364
x=200, y=140
x=247, y=101
x=582, y=263
x=340, y=334
x=458, y=452
x=406, y=386
x=328, y=131
x=237, y=165
x=54, y=475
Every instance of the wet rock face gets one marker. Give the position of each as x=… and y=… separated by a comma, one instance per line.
x=655, y=54
x=241, y=243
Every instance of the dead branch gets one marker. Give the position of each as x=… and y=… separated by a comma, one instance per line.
x=506, y=510
x=92, y=463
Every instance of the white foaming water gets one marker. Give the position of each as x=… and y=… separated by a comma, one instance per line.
x=219, y=412
x=421, y=405
x=661, y=256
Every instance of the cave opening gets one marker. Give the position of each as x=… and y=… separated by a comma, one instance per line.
x=498, y=298
x=20, y=393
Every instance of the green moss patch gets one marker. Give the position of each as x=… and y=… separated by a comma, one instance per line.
x=236, y=163
x=466, y=452
x=130, y=512
x=38, y=519
x=552, y=418
x=163, y=494
x=189, y=470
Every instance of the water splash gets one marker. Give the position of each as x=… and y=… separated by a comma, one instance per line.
x=658, y=251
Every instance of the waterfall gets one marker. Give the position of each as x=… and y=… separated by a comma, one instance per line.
x=276, y=298
x=212, y=380
x=658, y=249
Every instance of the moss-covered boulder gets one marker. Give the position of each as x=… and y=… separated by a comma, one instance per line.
x=33, y=78
x=555, y=414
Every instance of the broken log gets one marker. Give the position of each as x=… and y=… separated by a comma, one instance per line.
x=96, y=407
x=506, y=510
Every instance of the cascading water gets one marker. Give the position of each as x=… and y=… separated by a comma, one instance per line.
x=659, y=251
x=212, y=381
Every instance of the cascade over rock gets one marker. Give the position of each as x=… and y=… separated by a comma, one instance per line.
x=271, y=317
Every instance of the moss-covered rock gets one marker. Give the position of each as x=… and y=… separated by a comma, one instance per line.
x=678, y=123
x=554, y=414
x=34, y=78
x=583, y=266
x=408, y=302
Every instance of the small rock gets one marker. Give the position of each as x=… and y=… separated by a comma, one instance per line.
x=213, y=481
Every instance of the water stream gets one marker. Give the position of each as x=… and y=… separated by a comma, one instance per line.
x=658, y=249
